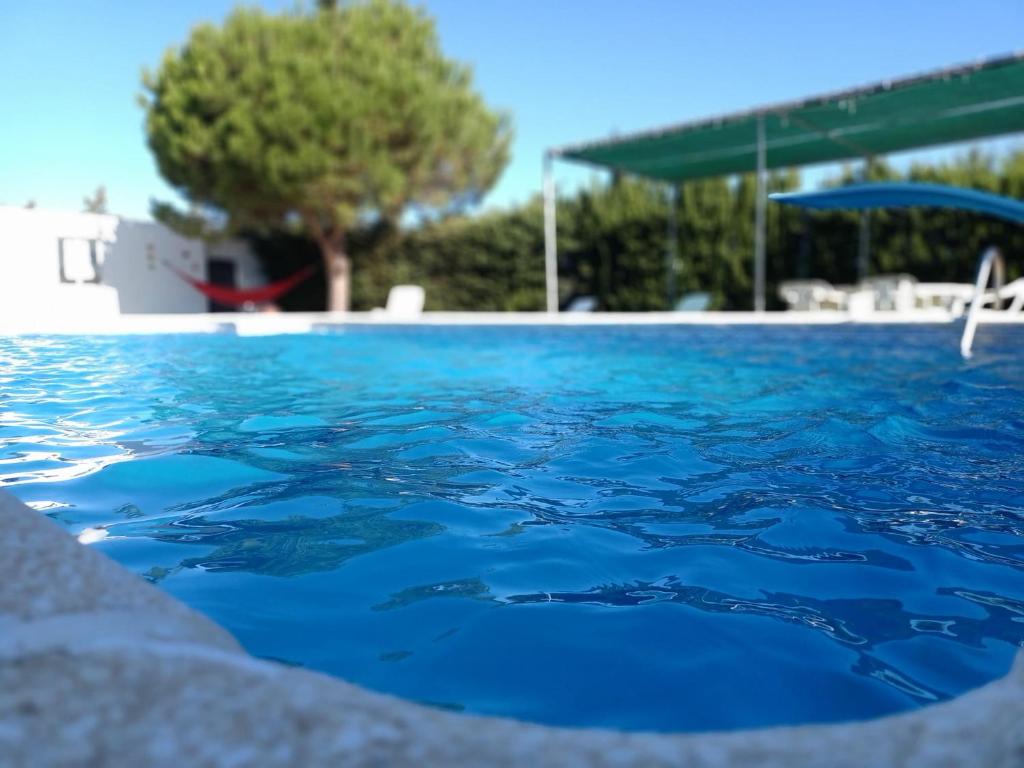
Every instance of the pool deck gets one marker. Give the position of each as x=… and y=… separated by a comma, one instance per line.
x=265, y=324
x=98, y=667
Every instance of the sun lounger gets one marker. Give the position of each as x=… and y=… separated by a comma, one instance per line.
x=404, y=302
x=582, y=304
x=907, y=194
x=811, y=295
x=699, y=301
x=893, y=293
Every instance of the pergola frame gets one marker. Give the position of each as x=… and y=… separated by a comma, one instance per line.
x=951, y=105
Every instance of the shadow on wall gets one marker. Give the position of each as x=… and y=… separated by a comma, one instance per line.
x=136, y=264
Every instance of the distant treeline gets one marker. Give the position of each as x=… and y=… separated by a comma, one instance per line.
x=612, y=242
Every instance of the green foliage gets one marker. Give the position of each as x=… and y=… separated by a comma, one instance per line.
x=618, y=242
x=612, y=242
x=932, y=244
x=320, y=120
x=188, y=223
x=616, y=245
x=489, y=262
x=96, y=202
x=283, y=254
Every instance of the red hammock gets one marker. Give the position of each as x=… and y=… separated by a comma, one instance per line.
x=237, y=297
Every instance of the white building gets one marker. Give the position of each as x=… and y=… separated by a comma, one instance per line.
x=88, y=266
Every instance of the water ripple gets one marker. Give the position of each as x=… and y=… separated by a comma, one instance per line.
x=583, y=526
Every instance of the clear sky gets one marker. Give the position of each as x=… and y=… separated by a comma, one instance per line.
x=567, y=70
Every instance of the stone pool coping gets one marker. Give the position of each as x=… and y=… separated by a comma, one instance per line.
x=98, y=667
x=265, y=324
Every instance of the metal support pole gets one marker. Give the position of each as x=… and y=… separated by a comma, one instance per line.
x=550, y=232
x=672, y=246
x=864, y=237
x=759, y=219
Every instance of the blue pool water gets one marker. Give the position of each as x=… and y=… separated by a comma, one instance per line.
x=670, y=528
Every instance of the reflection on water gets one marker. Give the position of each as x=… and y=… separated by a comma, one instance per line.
x=292, y=546
x=668, y=528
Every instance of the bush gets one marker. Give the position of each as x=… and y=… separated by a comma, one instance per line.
x=613, y=241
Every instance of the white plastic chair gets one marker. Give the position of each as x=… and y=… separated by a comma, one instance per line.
x=951, y=296
x=893, y=293
x=811, y=295
x=582, y=304
x=404, y=301
x=698, y=301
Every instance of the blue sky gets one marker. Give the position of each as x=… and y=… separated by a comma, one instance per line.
x=568, y=70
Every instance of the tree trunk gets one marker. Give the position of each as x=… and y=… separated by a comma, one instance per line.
x=338, y=274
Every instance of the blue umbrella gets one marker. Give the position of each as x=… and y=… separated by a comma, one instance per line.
x=905, y=195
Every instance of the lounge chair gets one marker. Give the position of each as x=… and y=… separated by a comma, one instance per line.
x=698, y=301
x=404, y=302
x=950, y=296
x=582, y=304
x=905, y=195
x=811, y=295
x=893, y=293
x=1012, y=292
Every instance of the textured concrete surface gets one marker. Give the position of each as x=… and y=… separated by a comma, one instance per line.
x=98, y=668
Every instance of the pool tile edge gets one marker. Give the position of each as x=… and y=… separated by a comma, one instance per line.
x=98, y=667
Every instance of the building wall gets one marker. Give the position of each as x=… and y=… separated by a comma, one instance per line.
x=137, y=266
x=135, y=260
x=249, y=274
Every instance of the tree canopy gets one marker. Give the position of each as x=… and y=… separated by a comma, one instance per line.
x=96, y=202
x=321, y=120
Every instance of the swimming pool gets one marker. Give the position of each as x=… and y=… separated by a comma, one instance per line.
x=667, y=528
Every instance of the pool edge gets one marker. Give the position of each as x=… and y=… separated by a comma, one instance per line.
x=97, y=667
x=284, y=323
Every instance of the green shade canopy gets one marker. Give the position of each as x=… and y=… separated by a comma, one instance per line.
x=959, y=104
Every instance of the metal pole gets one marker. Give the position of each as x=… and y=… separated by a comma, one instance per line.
x=550, y=231
x=672, y=245
x=759, y=219
x=864, y=239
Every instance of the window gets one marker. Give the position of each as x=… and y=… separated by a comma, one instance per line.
x=79, y=259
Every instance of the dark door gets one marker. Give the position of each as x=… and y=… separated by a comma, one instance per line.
x=220, y=272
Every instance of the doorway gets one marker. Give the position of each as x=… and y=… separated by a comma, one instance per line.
x=220, y=272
